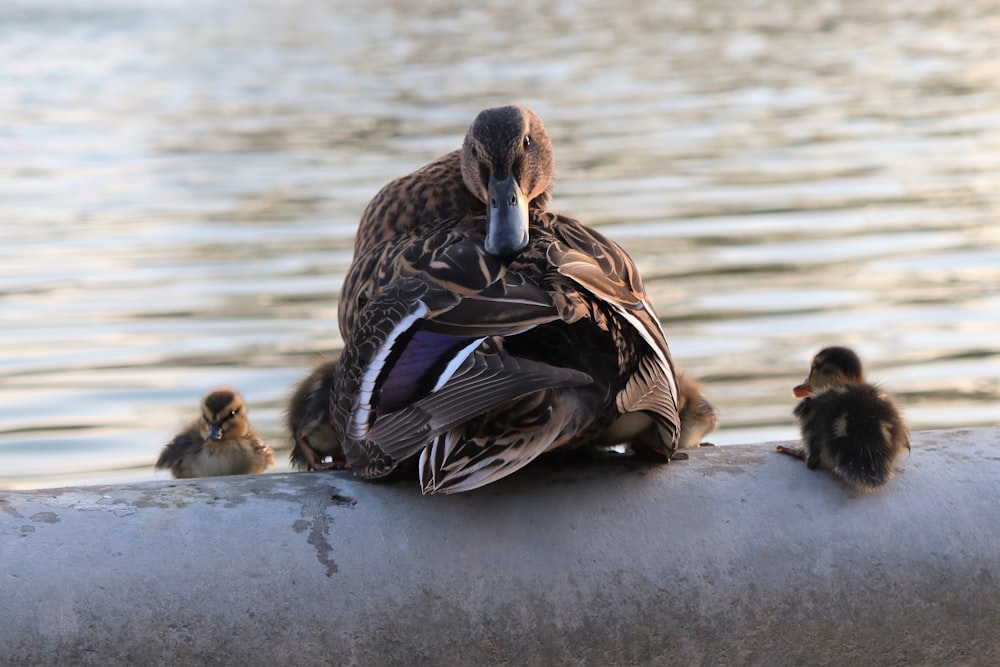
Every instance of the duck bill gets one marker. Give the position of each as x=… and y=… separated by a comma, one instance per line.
x=507, y=229
x=803, y=390
x=214, y=432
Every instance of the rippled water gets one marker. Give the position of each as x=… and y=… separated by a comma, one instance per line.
x=180, y=183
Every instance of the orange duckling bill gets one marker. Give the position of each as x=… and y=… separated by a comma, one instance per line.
x=849, y=426
x=220, y=442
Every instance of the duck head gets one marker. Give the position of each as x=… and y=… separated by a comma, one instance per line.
x=831, y=367
x=507, y=163
x=223, y=415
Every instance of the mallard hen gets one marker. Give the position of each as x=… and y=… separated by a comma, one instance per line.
x=849, y=426
x=482, y=330
x=219, y=442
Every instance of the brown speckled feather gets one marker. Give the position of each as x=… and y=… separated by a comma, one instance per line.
x=428, y=194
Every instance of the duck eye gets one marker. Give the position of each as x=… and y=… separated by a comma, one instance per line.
x=527, y=141
x=233, y=413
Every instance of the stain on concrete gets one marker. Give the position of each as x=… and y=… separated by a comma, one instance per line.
x=319, y=539
x=342, y=500
x=317, y=522
x=45, y=517
x=7, y=508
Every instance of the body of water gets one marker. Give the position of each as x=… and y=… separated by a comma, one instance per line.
x=180, y=184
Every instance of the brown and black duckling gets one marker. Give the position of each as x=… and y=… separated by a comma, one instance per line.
x=219, y=442
x=849, y=426
x=697, y=415
x=482, y=330
x=314, y=443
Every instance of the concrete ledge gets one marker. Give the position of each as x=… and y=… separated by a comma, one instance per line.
x=738, y=556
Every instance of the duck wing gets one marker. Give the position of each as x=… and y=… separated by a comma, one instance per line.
x=422, y=358
x=174, y=451
x=482, y=382
x=605, y=271
x=507, y=438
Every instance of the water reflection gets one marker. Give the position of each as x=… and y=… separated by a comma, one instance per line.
x=179, y=188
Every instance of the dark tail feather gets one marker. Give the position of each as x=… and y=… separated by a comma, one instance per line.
x=865, y=472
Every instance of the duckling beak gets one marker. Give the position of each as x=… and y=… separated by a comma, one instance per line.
x=214, y=431
x=507, y=230
x=803, y=390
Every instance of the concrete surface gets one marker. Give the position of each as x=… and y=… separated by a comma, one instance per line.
x=738, y=556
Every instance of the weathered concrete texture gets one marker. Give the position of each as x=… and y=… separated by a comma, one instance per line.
x=738, y=556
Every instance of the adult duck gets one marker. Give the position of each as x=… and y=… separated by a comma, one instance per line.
x=482, y=330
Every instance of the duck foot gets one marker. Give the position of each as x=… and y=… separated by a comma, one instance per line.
x=330, y=465
x=646, y=448
x=797, y=452
x=304, y=453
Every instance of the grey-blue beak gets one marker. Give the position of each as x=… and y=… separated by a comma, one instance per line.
x=214, y=431
x=507, y=230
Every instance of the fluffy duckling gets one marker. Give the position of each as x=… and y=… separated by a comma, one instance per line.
x=314, y=443
x=698, y=416
x=220, y=442
x=849, y=427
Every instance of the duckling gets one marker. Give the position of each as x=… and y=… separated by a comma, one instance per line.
x=849, y=426
x=220, y=442
x=482, y=330
x=308, y=420
x=698, y=416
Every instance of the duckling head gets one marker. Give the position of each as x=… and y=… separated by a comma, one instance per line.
x=507, y=163
x=831, y=367
x=223, y=415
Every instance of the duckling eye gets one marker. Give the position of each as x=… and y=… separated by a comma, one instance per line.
x=233, y=413
x=527, y=141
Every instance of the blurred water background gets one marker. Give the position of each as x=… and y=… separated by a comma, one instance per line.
x=180, y=184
